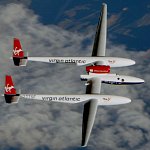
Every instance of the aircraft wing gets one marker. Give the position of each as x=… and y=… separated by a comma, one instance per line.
x=90, y=109
x=94, y=84
x=99, y=46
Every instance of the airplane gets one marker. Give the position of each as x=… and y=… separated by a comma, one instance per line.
x=11, y=96
x=98, y=72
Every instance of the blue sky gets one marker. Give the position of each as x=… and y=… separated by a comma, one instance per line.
x=135, y=39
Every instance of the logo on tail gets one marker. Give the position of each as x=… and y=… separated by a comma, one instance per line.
x=17, y=51
x=8, y=88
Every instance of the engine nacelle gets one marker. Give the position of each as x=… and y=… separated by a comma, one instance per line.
x=98, y=69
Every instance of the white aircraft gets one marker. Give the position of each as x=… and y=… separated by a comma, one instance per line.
x=98, y=72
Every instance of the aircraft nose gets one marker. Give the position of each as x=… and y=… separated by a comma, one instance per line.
x=132, y=62
x=131, y=80
x=141, y=80
x=137, y=80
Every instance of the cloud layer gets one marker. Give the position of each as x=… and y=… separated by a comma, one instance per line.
x=33, y=125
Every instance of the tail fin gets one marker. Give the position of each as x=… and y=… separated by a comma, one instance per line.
x=19, y=57
x=17, y=51
x=9, y=86
x=10, y=93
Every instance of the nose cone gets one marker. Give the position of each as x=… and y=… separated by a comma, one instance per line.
x=113, y=100
x=132, y=80
x=118, y=100
x=125, y=62
x=128, y=62
x=141, y=80
x=132, y=62
x=126, y=100
x=136, y=80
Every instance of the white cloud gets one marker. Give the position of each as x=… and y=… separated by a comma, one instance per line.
x=32, y=124
x=25, y=2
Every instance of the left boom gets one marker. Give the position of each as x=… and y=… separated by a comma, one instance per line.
x=20, y=59
x=11, y=96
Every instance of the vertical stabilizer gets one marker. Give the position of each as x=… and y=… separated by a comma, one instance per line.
x=18, y=55
x=9, y=86
x=17, y=49
x=10, y=93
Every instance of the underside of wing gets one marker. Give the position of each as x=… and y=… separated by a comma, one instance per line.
x=90, y=109
x=99, y=46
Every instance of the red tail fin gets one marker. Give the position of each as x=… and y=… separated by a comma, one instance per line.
x=17, y=51
x=9, y=86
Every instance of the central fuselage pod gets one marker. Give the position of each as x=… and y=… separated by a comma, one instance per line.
x=113, y=79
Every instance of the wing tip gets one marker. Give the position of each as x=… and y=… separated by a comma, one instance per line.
x=104, y=4
x=84, y=143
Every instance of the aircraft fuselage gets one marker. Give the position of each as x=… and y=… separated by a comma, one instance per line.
x=113, y=79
